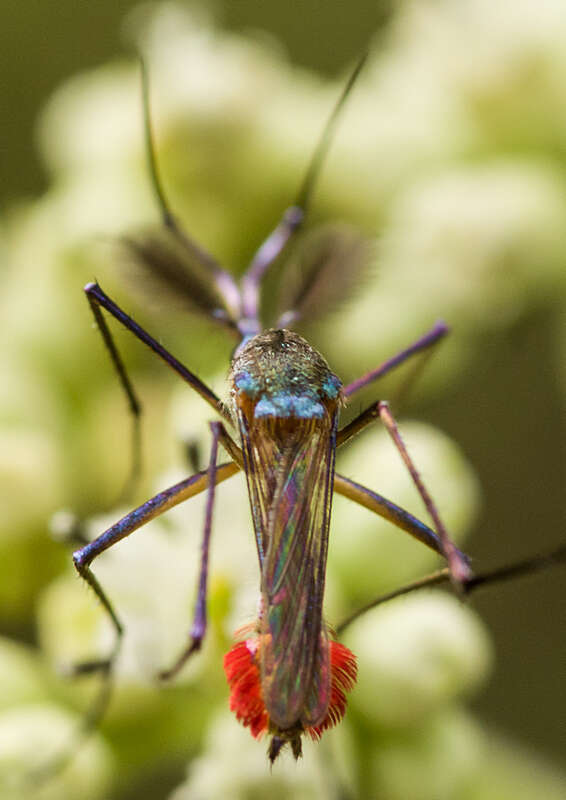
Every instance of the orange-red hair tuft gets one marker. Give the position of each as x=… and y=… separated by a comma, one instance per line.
x=246, y=700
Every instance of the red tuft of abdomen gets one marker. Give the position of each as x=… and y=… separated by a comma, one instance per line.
x=246, y=700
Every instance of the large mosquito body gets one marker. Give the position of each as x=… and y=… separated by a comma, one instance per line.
x=281, y=425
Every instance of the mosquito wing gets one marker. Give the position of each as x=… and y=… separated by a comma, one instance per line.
x=290, y=479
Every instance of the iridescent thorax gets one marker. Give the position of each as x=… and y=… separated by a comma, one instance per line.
x=277, y=374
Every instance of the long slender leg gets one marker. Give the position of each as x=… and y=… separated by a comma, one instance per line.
x=154, y=507
x=292, y=219
x=430, y=339
x=440, y=541
x=133, y=400
x=434, y=579
x=97, y=298
x=362, y=495
x=517, y=569
x=83, y=558
x=231, y=448
x=459, y=569
x=198, y=628
x=390, y=511
x=225, y=283
x=358, y=424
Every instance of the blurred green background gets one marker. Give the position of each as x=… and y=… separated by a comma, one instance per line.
x=452, y=152
x=43, y=43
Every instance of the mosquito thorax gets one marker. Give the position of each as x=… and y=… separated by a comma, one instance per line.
x=277, y=374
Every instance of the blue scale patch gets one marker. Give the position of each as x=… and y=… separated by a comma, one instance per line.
x=283, y=404
x=247, y=384
x=331, y=387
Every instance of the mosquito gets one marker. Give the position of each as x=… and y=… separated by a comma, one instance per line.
x=288, y=674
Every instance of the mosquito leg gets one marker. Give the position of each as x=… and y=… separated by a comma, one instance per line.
x=154, y=507
x=440, y=541
x=198, y=628
x=459, y=569
x=225, y=283
x=292, y=219
x=83, y=559
x=97, y=299
x=231, y=447
x=136, y=464
x=390, y=511
x=385, y=508
x=134, y=404
x=434, y=579
x=358, y=424
x=518, y=569
x=429, y=340
x=317, y=160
